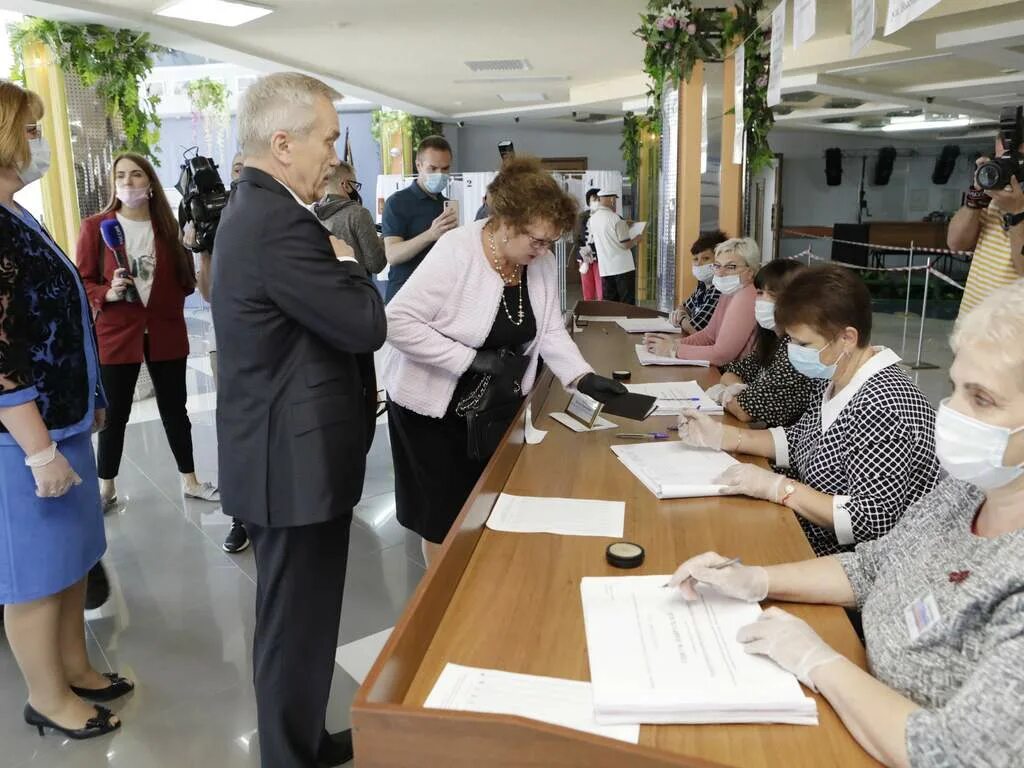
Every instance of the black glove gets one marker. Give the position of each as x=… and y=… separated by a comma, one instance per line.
x=487, y=361
x=600, y=388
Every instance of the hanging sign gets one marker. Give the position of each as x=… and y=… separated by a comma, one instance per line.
x=804, y=12
x=862, y=26
x=902, y=12
x=739, y=134
x=775, y=63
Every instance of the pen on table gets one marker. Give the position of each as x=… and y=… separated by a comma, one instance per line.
x=643, y=435
x=719, y=566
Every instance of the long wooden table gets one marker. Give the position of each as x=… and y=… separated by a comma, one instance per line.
x=512, y=602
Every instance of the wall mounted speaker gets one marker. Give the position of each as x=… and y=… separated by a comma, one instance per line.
x=834, y=166
x=883, y=167
x=945, y=163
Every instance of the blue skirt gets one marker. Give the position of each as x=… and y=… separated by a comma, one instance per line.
x=46, y=545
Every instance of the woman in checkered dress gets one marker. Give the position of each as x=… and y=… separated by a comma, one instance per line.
x=865, y=448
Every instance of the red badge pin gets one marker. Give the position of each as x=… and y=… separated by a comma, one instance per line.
x=955, y=577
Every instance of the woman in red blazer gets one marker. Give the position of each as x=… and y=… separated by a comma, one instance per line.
x=140, y=317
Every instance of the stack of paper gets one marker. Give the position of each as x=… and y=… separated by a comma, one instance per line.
x=656, y=658
x=568, y=703
x=600, y=318
x=674, y=397
x=671, y=470
x=647, y=325
x=567, y=517
x=646, y=358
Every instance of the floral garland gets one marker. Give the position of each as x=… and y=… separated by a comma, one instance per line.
x=758, y=118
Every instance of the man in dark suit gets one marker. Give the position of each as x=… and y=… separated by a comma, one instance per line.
x=296, y=320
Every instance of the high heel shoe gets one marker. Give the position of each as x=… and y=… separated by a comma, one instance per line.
x=119, y=686
x=95, y=726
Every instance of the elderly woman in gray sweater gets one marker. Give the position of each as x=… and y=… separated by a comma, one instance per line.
x=342, y=213
x=942, y=594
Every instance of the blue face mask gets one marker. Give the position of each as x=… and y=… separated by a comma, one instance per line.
x=436, y=183
x=807, y=360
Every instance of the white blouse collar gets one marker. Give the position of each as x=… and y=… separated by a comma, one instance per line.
x=831, y=407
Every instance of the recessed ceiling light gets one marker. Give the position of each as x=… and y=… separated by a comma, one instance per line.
x=220, y=12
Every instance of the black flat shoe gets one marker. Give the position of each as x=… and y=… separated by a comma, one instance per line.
x=96, y=726
x=118, y=687
x=335, y=749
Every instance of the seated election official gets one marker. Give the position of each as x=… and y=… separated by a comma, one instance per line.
x=865, y=448
x=764, y=387
x=731, y=332
x=297, y=319
x=942, y=594
x=484, y=301
x=695, y=313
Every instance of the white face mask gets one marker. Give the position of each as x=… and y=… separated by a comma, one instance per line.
x=973, y=451
x=764, y=312
x=594, y=206
x=704, y=273
x=727, y=286
x=38, y=161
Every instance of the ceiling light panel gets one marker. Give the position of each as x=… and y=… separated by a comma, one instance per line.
x=499, y=65
x=219, y=12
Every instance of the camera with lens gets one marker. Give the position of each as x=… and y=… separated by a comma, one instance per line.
x=996, y=173
x=203, y=197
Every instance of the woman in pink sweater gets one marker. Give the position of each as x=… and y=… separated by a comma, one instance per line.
x=733, y=328
x=486, y=293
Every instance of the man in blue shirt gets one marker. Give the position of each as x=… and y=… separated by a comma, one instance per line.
x=415, y=218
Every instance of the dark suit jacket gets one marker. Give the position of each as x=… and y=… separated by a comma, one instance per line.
x=295, y=331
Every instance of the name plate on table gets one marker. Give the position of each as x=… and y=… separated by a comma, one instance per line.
x=584, y=409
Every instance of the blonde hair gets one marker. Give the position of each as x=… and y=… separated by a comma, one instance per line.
x=283, y=101
x=746, y=247
x=18, y=107
x=998, y=325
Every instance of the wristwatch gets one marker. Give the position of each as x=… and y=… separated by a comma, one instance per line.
x=1012, y=220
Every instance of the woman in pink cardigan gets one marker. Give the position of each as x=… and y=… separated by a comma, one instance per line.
x=487, y=287
x=733, y=328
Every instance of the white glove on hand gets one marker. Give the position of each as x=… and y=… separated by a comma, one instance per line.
x=55, y=477
x=715, y=392
x=744, y=582
x=789, y=642
x=677, y=316
x=730, y=392
x=748, y=480
x=700, y=430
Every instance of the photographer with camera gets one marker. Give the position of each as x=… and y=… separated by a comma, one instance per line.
x=991, y=221
x=140, y=315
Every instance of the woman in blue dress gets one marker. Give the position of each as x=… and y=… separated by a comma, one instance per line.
x=51, y=522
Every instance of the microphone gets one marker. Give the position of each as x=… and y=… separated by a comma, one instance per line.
x=113, y=237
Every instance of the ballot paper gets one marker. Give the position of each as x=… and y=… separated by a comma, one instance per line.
x=532, y=434
x=671, y=470
x=646, y=358
x=577, y=426
x=567, y=703
x=674, y=397
x=600, y=318
x=636, y=230
x=565, y=517
x=657, y=658
x=647, y=325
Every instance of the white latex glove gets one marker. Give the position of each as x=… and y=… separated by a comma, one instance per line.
x=715, y=392
x=677, y=317
x=700, y=430
x=54, y=478
x=744, y=582
x=730, y=392
x=661, y=344
x=748, y=480
x=789, y=642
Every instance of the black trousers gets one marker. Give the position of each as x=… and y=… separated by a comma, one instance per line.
x=169, y=384
x=620, y=287
x=300, y=580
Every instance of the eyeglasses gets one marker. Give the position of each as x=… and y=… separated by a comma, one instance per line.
x=33, y=130
x=539, y=242
x=354, y=185
x=729, y=268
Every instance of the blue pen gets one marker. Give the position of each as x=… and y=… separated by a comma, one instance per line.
x=643, y=435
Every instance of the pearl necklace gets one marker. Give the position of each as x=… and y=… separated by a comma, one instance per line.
x=509, y=280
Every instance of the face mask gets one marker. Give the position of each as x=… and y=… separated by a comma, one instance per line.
x=807, y=360
x=705, y=272
x=595, y=206
x=38, y=161
x=436, y=183
x=764, y=311
x=973, y=451
x=133, y=197
x=727, y=286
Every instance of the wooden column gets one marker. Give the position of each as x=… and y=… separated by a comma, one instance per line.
x=730, y=196
x=688, y=179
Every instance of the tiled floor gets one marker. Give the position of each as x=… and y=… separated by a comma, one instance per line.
x=182, y=625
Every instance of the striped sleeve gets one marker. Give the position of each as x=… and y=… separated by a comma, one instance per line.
x=992, y=265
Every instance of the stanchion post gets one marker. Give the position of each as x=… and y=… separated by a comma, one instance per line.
x=920, y=365
x=906, y=308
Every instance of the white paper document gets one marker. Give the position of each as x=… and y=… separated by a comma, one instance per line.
x=576, y=426
x=775, y=55
x=862, y=27
x=671, y=470
x=646, y=358
x=636, y=230
x=647, y=325
x=902, y=12
x=568, y=703
x=565, y=517
x=804, y=13
x=656, y=658
x=674, y=397
x=600, y=318
x=532, y=434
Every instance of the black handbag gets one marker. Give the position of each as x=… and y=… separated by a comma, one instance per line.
x=491, y=404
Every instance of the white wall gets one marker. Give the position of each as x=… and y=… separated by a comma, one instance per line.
x=476, y=146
